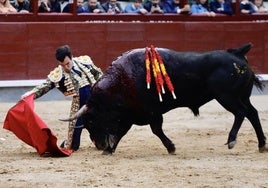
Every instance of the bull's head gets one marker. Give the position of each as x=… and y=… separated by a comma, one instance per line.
x=103, y=119
x=103, y=132
x=103, y=140
x=105, y=110
x=101, y=126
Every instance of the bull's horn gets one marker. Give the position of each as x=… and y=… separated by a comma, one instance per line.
x=67, y=119
x=78, y=114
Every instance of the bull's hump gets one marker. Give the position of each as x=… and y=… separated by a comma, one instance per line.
x=141, y=50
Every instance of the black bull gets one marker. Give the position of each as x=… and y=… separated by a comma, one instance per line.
x=120, y=98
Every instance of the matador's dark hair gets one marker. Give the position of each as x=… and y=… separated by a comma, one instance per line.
x=62, y=52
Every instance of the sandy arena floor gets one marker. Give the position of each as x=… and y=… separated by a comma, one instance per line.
x=201, y=160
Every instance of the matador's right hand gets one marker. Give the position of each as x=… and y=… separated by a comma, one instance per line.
x=26, y=94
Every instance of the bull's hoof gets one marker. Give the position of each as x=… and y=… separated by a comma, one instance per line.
x=171, y=149
x=263, y=149
x=231, y=144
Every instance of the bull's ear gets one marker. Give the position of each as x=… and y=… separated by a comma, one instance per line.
x=241, y=50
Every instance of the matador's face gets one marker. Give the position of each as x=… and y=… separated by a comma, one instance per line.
x=67, y=64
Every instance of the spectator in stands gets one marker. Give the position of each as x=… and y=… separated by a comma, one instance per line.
x=6, y=7
x=80, y=8
x=22, y=6
x=221, y=7
x=259, y=6
x=201, y=8
x=173, y=6
x=112, y=7
x=93, y=6
x=136, y=7
x=55, y=6
x=44, y=6
x=247, y=7
x=154, y=6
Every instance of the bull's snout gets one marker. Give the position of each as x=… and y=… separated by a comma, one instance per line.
x=101, y=146
x=108, y=145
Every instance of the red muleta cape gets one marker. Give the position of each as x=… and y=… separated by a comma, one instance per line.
x=31, y=129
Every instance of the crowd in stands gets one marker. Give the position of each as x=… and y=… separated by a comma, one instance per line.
x=199, y=7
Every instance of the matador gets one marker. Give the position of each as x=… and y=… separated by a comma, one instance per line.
x=73, y=77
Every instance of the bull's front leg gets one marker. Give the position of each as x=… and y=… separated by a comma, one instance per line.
x=156, y=127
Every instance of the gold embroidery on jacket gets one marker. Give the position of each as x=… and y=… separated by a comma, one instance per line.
x=74, y=109
x=56, y=74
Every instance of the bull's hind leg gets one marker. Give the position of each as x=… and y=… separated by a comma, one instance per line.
x=241, y=109
x=253, y=117
x=238, y=120
x=236, y=107
x=156, y=127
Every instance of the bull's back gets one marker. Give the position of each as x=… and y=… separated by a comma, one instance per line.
x=196, y=77
x=179, y=63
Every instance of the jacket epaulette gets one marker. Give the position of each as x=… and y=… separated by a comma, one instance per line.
x=84, y=59
x=56, y=74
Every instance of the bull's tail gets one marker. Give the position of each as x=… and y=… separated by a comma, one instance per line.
x=257, y=82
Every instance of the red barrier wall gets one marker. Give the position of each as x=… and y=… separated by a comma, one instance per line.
x=27, y=48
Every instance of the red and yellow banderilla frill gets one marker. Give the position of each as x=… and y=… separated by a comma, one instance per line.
x=154, y=59
x=148, y=71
